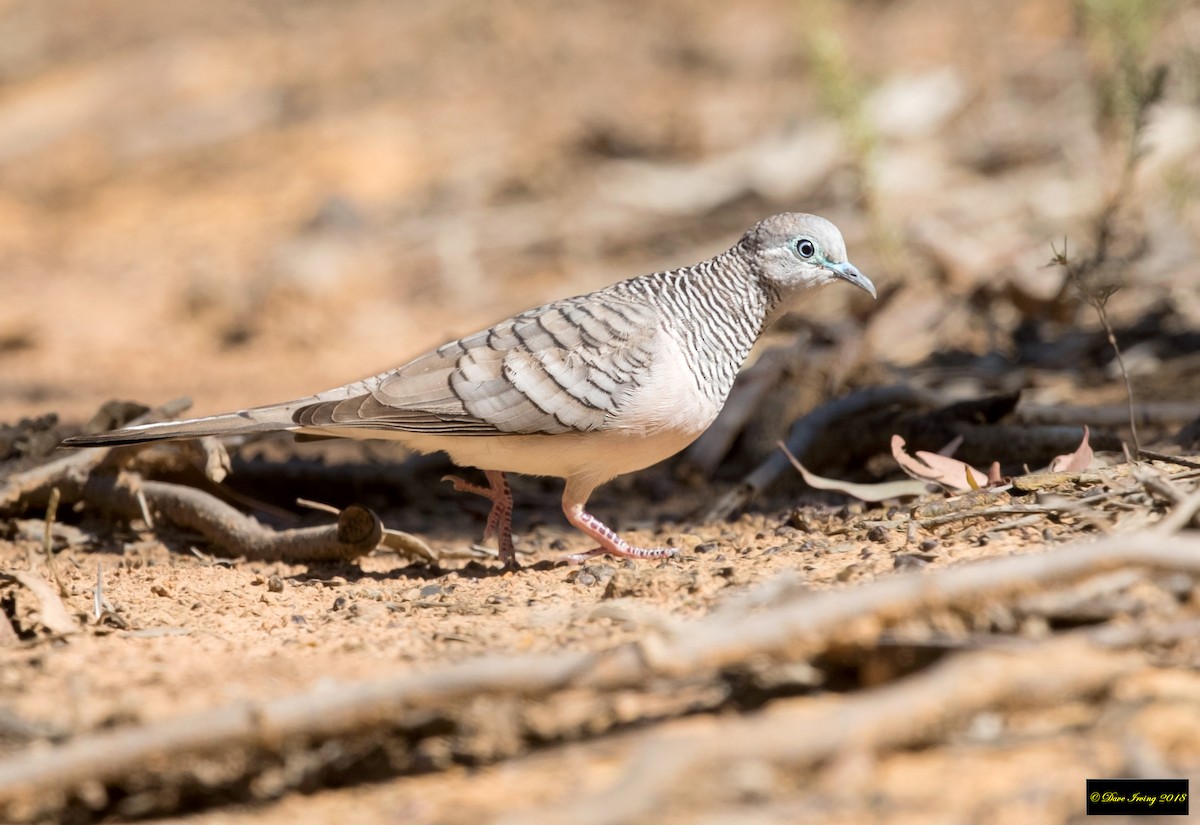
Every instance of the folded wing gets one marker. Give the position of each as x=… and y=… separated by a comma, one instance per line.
x=563, y=367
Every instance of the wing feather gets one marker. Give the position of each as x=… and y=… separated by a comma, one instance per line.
x=563, y=367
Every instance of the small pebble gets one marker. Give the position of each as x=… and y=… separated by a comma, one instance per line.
x=847, y=573
x=800, y=521
x=339, y=603
x=431, y=590
x=275, y=584
x=877, y=534
x=929, y=545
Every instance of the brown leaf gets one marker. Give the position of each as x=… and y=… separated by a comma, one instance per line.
x=1077, y=461
x=948, y=472
x=881, y=491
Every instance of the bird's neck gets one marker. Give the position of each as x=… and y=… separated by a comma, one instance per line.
x=716, y=310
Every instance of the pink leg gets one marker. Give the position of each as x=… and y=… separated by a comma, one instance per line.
x=605, y=536
x=499, y=520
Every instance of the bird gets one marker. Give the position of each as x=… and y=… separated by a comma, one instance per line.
x=584, y=389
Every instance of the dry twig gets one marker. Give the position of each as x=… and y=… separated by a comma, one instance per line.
x=356, y=533
x=32, y=488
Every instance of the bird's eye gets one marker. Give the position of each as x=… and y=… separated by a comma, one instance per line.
x=805, y=248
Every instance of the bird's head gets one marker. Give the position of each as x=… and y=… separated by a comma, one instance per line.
x=794, y=252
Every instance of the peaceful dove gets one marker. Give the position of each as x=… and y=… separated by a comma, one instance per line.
x=584, y=389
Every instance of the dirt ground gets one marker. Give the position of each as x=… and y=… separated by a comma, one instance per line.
x=243, y=202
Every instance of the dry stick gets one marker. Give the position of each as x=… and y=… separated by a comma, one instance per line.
x=806, y=732
x=1152, y=413
x=1077, y=272
x=1182, y=516
x=1112, y=342
x=48, y=539
x=1170, y=459
x=838, y=616
x=32, y=487
x=795, y=630
x=356, y=533
x=110, y=755
x=986, y=512
x=1157, y=482
x=804, y=433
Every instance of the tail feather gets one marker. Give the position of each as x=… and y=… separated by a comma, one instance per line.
x=261, y=420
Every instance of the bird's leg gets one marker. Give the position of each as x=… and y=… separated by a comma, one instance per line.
x=605, y=536
x=499, y=520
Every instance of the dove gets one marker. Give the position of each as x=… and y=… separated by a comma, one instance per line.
x=584, y=389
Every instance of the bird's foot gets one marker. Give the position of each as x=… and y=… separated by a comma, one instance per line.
x=609, y=541
x=499, y=520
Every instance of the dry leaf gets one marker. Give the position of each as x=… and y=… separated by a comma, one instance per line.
x=881, y=491
x=1077, y=461
x=53, y=614
x=948, y=472
x=407, y=545
x=995, y=477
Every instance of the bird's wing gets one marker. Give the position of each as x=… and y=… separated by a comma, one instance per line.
x=563, y=367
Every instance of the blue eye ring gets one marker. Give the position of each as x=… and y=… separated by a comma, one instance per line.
x=805, y=248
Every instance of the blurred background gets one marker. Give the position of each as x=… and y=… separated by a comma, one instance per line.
x=250, y=201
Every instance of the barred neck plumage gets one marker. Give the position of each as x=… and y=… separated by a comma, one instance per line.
x=715, y=309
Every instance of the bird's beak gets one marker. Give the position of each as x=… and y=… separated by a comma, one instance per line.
x=849, y=272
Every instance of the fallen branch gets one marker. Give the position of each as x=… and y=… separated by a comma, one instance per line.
x=1151, y=414
x=357, y=532
x=987, y=512
x=803, y=733
x=695, y=652
x=1179, y=461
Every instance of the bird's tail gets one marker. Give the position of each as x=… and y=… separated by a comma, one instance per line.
x=259, y=420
